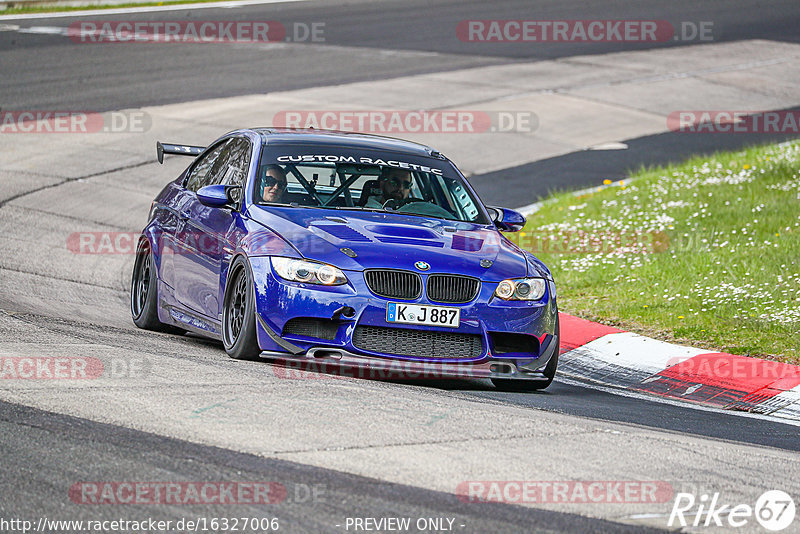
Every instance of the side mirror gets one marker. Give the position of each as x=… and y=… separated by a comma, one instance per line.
x=507, y=220
x=216, y=196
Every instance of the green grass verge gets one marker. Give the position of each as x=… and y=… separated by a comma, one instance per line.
x=706, y=252
x=58, y=9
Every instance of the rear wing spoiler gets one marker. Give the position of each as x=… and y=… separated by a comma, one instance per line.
x=182, y=150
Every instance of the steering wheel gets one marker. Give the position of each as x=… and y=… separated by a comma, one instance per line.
x=394, y=204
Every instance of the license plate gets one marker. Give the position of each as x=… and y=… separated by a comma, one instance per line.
x=397, y=312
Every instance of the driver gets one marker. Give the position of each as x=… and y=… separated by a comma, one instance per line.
x=395, y=184
x=273, y=185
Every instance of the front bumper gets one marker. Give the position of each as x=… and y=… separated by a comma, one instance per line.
x=341, y=363
x=487, y=317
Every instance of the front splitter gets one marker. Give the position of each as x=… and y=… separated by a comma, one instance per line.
x=347, y=364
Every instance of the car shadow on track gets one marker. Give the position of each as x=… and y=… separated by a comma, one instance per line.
x=328, y=370
x=298, y=370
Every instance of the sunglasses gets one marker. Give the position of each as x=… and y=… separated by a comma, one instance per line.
x=270, y=181
x=405, y=184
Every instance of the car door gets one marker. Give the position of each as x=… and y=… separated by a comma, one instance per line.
x=192, y=271
x=207, y=234
x=174, y=242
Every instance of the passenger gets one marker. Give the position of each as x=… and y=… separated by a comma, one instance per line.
x=273, y=185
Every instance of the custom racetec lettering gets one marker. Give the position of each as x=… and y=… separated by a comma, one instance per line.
x=335, y=158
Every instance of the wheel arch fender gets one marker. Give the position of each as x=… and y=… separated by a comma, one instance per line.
x=153, y=236
x=225, y=273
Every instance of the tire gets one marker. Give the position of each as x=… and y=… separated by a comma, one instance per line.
x=508, y=384
x=239, y=314
x=144, y=292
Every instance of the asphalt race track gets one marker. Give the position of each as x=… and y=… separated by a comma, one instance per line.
x=364, y=41
x=177, y=409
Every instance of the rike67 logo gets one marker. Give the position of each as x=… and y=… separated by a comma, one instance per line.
x=774, y=510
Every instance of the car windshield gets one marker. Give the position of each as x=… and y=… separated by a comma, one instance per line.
x=409, y=189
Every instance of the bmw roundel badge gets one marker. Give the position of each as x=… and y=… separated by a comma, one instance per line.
x=422, y=265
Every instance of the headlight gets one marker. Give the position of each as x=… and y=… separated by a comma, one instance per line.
x=521, y=289
x=308, y=272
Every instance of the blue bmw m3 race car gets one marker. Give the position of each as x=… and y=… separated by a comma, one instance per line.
x=355, y=250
